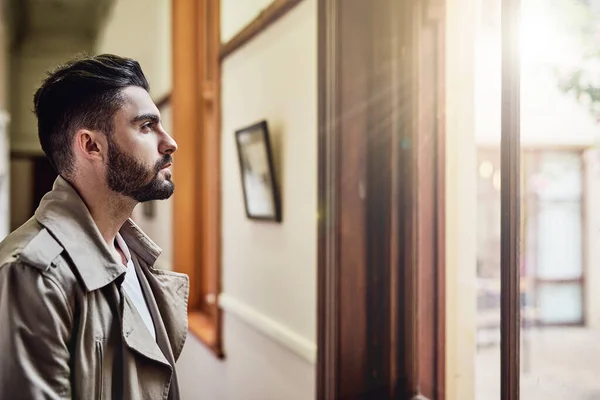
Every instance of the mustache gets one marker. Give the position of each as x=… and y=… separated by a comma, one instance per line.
x=167, y=159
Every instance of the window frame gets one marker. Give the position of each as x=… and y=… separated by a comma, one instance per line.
x=196, y=107
x=196, y=127
x=510, y=219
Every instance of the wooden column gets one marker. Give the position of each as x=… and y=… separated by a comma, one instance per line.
x=195, y=102
x=381, y=191
x=510, y=203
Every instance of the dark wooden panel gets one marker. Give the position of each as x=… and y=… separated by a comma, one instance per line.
x=328, y=271
x=352, y=124
x=380, y=315
x=381, y=113
x=406, y=91
x=44, y=176
x=510, y=204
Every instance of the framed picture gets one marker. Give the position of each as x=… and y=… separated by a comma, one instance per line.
x=261, y=194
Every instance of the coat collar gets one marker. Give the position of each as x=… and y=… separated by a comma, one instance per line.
x=65, y=215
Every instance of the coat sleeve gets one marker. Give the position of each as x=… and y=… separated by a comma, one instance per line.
x=35, y=328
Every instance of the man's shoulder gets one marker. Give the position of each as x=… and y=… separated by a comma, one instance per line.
x=13, y=246
x=33, y=246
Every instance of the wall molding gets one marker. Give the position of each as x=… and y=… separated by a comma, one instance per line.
x=266, y=18
x=270, y=328
x=163, y=101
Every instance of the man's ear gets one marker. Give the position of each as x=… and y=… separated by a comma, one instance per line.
x=90, y=144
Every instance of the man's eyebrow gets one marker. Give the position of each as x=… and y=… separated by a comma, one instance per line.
x=146, y=117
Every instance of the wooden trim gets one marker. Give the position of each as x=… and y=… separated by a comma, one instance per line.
x=510, y=204
x=186, y=120
x=41, y=178
x=196, y=127
x=440, y=196
x=372, y=291
x=566, y=281
x=561, y=324
x=328, y=312
x=540, y=147
x=379, y=202
x=163, y=101
x=201, y=325
x=407, y=291
x=266, y=18
x=584, y=236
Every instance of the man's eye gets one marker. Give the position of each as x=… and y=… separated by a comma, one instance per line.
x=147, y=126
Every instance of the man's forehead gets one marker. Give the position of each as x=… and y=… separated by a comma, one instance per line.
x=138, y=101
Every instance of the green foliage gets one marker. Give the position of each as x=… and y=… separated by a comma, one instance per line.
x=581, y=80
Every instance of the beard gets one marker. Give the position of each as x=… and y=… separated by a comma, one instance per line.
x=132, y=178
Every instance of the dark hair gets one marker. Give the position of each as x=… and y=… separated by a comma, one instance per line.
x=83, y=93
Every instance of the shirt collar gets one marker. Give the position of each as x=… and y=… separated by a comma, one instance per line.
x=123, y=246
x=65, y=215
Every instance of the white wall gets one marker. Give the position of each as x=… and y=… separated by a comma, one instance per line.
x=269, y=270
x=237, y=14
x=141, y=29
x=256, y=368
x=272, y=267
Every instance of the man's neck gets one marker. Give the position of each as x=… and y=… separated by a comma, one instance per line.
x=109, y=211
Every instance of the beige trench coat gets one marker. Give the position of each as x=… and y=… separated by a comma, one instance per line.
x=67, y=330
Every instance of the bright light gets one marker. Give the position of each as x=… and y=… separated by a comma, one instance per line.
x=543, y=41
x=486, y=169
x=497, y=180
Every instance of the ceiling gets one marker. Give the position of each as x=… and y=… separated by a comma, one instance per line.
x=34, y=17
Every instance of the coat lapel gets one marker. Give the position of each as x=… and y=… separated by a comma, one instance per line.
x=162, y=337
x=136, y=334
x=170, y=292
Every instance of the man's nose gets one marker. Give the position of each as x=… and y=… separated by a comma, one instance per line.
x=169, y=144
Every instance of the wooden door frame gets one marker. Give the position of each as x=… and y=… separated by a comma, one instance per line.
x=369, y=291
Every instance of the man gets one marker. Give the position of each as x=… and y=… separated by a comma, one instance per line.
x=84, y=315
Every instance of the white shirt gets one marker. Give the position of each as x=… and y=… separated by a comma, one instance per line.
x=133, y=290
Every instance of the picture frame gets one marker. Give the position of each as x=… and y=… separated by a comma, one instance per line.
x=257, y=174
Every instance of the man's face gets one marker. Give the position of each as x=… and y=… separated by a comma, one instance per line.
x=139, y=151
